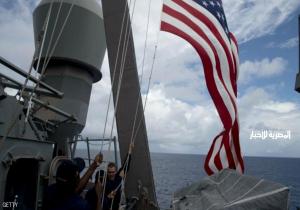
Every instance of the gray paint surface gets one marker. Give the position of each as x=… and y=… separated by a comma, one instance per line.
x=12, y=120
x=75, y=63
x=82, y=40
x=230, y=190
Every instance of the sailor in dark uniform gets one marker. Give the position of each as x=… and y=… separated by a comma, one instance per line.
x=65, y=193
x=112, y=194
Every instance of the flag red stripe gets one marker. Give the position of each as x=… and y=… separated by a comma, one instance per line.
x=235, y=75
x=209, y=154
x=208, y=73
x=228, y=149
x=196, y=28
x=200, y=16
x=236, y=143
x=225, y=150
x=234, y=40
x=235, y=62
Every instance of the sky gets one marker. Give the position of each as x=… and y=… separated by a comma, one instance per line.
x=180, y=115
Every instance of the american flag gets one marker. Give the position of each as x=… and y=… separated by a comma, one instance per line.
x=203, y=24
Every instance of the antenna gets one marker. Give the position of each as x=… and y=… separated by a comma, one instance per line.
x=297, y=85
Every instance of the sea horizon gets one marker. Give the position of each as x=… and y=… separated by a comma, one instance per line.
x=169, y=168
x=201, y=154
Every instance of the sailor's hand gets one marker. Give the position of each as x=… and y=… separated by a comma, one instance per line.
x=122, y=174
x=98, y=159
x=111, y=195
x=131, y=146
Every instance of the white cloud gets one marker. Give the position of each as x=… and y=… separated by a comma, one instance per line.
x=16, y=33
x=247, y=19
x=259, y=110
x=180, y=115
x=264, y=68
x=290, y=43
x=251, y=19
x=284, y=107
x=173, y=123
x=98, y=107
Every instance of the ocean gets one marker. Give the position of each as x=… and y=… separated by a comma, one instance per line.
x=174, y=171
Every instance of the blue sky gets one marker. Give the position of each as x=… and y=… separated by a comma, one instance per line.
x=270, y=46
x=180, y=115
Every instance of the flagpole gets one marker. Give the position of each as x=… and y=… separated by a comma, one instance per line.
x=297, y=85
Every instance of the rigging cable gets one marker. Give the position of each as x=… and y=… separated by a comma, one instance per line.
x=30, y=103
x=51, y=37
x=127, y=36
x=143, y=65
x=133, y=137
x=50, y=55
x=113, y=78
x=44, y=30
x=144, y=107
x=133, y=140
x=59, y=35
x=12, y=124
x=123, y=59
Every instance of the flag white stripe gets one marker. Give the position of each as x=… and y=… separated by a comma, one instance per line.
x=236, y=56
x=211, y=163
x=208, y=15
x=217, y=45
x=223, y=157
x=218, y=48
x=211, y=18
x=186, y=29
x=234, y=154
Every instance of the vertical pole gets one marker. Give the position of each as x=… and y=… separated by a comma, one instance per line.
x=297, y=85
x=299, y=41
x=74, y=146
x=116, y=152
x=88, y=150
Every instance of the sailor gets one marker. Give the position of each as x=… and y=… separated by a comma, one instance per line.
x=65, y=193
x=112, y=195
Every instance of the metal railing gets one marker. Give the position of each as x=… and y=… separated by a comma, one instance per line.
x=79, y=138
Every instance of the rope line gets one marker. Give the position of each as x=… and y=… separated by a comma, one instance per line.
x=114, y=71
x=132, y=141
x=143, y=65
x=51, y=37
x=120, y=80
x=133, y=137
x=45, y=27
x=38, y=63
x=50, y=55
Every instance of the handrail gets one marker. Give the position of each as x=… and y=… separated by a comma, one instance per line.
x=23, y=73
x=12, y=83
x=54, y=109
